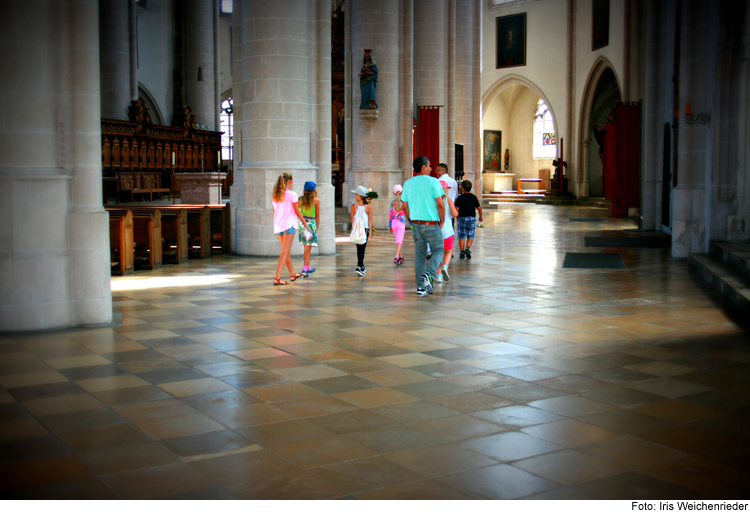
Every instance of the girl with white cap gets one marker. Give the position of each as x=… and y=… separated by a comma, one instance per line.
x=397, y=223
x=362, y=209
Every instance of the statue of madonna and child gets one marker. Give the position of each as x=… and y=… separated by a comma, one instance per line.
x=368, y=79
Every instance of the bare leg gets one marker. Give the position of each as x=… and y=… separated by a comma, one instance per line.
x=469, y=243
x=286, y=247
x=308, y=250
x=462, y=243
x=446, y=258
x=398, y=250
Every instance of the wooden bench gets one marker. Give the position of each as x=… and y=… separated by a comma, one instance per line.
x=213, y=226
x=121, y=241
x=539, y=190
x=159, y=235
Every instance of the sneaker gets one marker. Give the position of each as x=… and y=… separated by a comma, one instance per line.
x=420, y=291
x=468, y=253
x=446, y=274
x=439, y=278
x=304, y=273
x=364, y=270
x=360, y=272
x=310, y=270
x=400, y=260
x=396, y=261
x=429, y=256
x=462, y=255
x=427, y=283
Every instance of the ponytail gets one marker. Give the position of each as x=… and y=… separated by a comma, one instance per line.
x=280, y=188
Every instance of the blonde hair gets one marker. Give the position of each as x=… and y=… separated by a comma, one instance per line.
x=397, y=202
x=280, y=188
x=308, y=198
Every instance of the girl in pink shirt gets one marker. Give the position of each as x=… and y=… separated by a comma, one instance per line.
x=285, y=213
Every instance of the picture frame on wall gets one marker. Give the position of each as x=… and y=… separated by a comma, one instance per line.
x=511, y=41
x=600, y=24
x=493, y=151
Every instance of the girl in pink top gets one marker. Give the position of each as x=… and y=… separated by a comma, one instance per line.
x=397, y=223
x=285, y=212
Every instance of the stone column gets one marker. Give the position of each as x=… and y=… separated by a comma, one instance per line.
x=114, y=38
x=200, y=61
x=689, y=230
x=466, y=91
x=88, y=223
x=381, y=150
x=433, y=37
x=55, y=256
x=282, y=98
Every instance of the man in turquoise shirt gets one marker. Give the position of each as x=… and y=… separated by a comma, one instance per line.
x=423, y=206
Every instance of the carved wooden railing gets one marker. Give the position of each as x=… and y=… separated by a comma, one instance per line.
x=130, y=146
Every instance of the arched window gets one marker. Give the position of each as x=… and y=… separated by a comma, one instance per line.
x=226, y=125
x=545, y=144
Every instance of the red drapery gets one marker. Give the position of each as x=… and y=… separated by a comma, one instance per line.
x=620, y=171
x=428, y=134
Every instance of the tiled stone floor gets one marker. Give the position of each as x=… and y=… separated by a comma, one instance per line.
x=517, y=379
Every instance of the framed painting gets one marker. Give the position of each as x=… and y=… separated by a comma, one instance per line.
x=511, y=41
x=493, y=151
x=600, y=24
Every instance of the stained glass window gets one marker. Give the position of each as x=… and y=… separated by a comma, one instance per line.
x=226, y=125
x=545, y=144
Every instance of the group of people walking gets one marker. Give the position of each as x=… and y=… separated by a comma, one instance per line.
x=423, y=203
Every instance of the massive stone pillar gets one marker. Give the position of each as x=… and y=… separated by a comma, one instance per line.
x=434, y=49
x=381, y=150
x=282, y=102
x=200, y=61
x=689, y=207
x=115, y=41
x=654, y=34
x=466, y=89
x=54, y=259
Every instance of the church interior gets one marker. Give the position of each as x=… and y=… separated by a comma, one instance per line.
x=594, y=345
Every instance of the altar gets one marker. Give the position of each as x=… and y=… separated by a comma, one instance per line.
x=498, y=181
x=200, y=187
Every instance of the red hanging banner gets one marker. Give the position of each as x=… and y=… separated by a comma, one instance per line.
x=428, y=134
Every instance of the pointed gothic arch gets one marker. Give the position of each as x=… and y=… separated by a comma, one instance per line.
x=156, y=115
x=600, y=68
x=520, y=97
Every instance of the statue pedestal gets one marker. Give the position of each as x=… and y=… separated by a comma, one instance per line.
x=369, y=115
x=202, y=188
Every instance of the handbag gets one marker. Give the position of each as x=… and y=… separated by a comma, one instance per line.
x=358, y=235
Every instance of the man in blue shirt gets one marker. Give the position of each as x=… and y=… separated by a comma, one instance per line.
x=423, y=206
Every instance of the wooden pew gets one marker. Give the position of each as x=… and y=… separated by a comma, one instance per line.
x=218, y=227
x=147, y=238
x=174, y=234
x=160, y=235
x=199, y=230
x=121, y=241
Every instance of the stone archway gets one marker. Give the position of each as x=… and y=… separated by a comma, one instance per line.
x=509, y=107
x=602, y=92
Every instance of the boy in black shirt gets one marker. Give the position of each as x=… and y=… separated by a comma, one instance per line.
x=467, y=204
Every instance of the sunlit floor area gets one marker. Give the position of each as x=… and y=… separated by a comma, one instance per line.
x=517, y=379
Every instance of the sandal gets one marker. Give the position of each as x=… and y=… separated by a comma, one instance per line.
x=295, y=277
x=279, y=282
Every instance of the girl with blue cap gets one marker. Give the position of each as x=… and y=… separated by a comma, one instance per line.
x=310, y=209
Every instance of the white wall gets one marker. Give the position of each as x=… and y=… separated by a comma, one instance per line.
x=545, y=52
